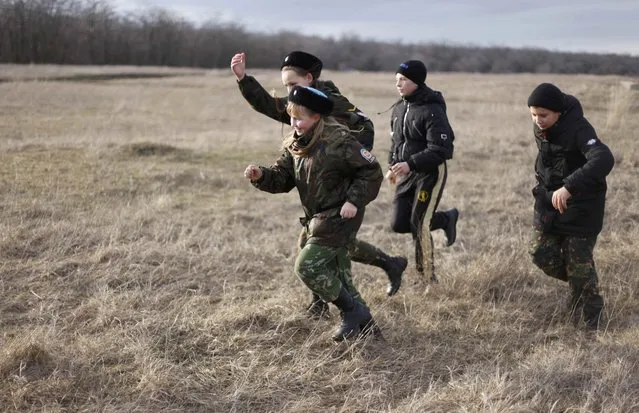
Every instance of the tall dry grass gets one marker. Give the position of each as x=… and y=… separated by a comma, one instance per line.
x=140, y=272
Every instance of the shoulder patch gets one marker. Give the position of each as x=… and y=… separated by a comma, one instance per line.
x=591, y=142
x=367, y=155
x=362, y=114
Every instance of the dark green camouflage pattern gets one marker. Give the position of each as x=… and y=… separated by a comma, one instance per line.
x=343, y=110
x=325, y=270
x=337, y=169
x=359, y=251
x=570, y=258
x=364, y=253
x=566, y=258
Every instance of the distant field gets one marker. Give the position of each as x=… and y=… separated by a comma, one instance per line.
x=9, y=72
x=140, y=272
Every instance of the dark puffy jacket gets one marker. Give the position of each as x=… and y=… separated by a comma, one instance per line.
x=343, y=110
x=337, y=169
x=420, y=132
x=571, y=155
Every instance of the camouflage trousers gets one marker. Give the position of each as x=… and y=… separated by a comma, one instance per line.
x=325, y=270
x=359, y=251
x=567, y=258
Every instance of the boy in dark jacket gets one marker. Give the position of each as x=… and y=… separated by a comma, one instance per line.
x=421, y=143
x=571, y=169
x=303, y=69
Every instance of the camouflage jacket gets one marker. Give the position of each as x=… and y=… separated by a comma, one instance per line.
x=343, y=110
x=337, y=169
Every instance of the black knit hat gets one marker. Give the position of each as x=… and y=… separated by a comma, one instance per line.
x=305, y=61
x=548, y=96
x=312, y=99
x=415, y=70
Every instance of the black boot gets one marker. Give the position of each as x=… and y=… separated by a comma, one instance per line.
x=574, y=306
x=353, y=313
x=593, y=310
x=394, y=268
x=372, y=330
x=451, y=227
x=419, y=258
x=317, y=309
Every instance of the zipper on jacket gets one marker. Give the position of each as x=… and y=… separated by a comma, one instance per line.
x=404, y=132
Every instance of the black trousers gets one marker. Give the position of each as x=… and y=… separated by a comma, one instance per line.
x=415, y=202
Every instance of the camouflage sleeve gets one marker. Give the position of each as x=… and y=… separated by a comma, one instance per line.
x=599, y=162
x=279, y=177
x=367, y=174
x=262, y=101
x=350, y=115
x=439, y=141
x=343, y=109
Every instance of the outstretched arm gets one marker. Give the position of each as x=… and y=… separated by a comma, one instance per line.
x=256, y=95
x=277, y=178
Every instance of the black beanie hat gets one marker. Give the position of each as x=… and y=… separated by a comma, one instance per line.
x=415, y=70
x=305, y=61
x=312, y=99
x=548, y=96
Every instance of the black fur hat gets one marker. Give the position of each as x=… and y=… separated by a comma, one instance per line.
x=312, y=99
x=305, y=61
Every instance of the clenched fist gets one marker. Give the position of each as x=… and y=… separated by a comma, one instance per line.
x=253, y=173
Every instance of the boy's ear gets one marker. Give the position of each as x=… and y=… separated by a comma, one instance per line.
x=309, y=77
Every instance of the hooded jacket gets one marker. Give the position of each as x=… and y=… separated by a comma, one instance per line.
x=420, y=132
x=335, y=170
x=343, y=110
x=571, y=155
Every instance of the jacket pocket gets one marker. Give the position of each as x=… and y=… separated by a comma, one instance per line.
x=544, y=213
x=575, y=215
x=327, y=225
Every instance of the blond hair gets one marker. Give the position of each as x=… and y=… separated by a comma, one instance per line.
x=291, y=143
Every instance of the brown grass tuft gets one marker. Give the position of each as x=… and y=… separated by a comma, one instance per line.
x=28, y=362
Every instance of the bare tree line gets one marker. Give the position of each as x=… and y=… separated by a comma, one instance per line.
x=92, y=32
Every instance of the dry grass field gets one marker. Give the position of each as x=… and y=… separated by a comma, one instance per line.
x=140, y=271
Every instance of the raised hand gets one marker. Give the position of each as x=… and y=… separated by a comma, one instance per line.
x=238, y=65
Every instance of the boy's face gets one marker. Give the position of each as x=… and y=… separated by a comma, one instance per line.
x=291, y=79
x=302, y=122
x=544, y=118
x=404, y=85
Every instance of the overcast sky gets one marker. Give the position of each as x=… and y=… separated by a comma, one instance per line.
x=587, y=25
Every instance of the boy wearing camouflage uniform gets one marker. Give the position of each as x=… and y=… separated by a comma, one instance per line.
x=304, y=69
x=571, y=169
x=335, y=178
